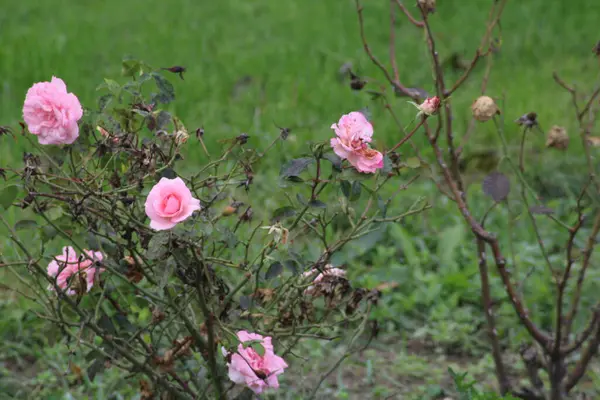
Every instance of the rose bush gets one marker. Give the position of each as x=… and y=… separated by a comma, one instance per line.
x=164, y=258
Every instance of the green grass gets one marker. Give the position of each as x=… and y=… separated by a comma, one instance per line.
x=292, y=51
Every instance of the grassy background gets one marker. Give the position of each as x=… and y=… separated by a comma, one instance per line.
x=253, y=64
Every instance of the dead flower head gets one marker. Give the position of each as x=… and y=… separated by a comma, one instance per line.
x=557, y=138
x=484, y=108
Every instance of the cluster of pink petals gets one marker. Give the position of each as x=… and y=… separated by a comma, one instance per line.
x=329, y=270
x=249, y=368
x=168, y=203
x=51, y=113
x=69, y=266
x=353, y=135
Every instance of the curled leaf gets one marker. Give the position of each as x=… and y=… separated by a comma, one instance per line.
x=496, y=185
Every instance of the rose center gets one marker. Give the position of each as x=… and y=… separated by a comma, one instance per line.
x=171, y=204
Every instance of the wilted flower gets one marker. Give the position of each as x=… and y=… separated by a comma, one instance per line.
x=484, y=108
x=427, y=5
x=72, y=272
x=528, y=120
x=280, y=234
x=169, y=202
x=430, y=106
x=51, y=113
x=557, y=138
x=105, y=134
x=181, y=136
x=251, y=368
x=353, y=133
x=328, y=271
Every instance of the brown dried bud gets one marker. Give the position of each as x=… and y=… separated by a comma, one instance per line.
x=264, y=295
x=428, y=6
x=181, y=136
x=228, y=210
x=593, y=140
x=557, y=138
x=157, y=315
x=484, y=108
x=356, y=82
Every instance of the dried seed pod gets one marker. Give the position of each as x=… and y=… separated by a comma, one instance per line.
x=484, y=108
x=557, y=138
x=428, y=6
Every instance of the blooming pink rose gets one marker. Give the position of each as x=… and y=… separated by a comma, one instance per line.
x=353, y=133
x=68, y=268
x=367, y=160
x=329, y=270
x=51, y=113
x=169, y=202
x=253, y=370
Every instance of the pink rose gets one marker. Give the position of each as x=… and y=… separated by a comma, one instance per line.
x=329, y=270
x=249, y=368
x=70, y=270
x=168, y=203
x=367, y=160
x=51, y=113
x=429, y=107
x=353, y=133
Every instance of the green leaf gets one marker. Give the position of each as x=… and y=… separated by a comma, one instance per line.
x=317, y=204
x=283, y=212
x=346, y=188
x=158, y=246
x=301, y=199
x=274, y=270
x=295, y=167
x=132, y=68
x=334, y=159
x=245, y=302
x=25, y=224
x=351, y=174
x=496, y=185
x=387, y=165
x=166, y=92
x=54, y=213
x=449, y=240
x=405, y=244
x=104, y=101
x=292, y=265
x=413, y=162
x=112, y=86
x=355, y=192
x=163, y=119
x=8, y=195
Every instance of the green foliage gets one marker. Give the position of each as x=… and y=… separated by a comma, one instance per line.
x=467, y=389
